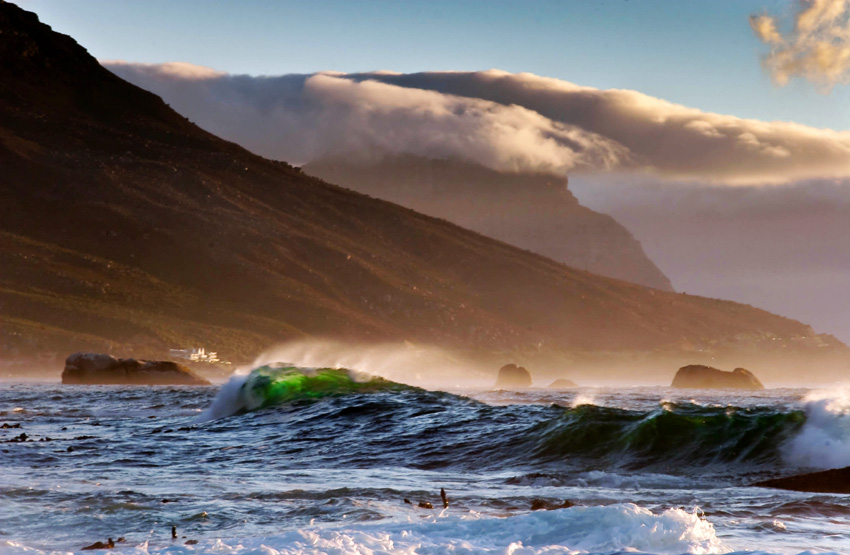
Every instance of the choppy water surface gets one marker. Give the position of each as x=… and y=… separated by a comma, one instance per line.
x=327, y=469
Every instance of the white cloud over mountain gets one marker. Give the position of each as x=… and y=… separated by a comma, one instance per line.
x=502, y=120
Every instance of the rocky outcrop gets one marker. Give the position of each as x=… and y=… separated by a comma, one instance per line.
x=513, y=376
x=94, y=368
x=562, y=384
x=545, y=505
x=828, y=481
x=705, y=377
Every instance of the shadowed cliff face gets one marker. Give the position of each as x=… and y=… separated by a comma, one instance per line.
x=534, y=211
x=125, y=228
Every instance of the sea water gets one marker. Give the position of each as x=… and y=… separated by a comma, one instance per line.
x=304, y=461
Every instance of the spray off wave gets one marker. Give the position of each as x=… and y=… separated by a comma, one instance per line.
x=422, y=365
x=824, y=440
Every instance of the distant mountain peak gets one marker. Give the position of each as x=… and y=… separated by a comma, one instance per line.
x=31, y=46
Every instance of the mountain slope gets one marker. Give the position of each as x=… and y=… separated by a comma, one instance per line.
x=533, y=211
x=124, y=227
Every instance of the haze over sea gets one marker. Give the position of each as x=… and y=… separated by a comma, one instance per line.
x=277, y=462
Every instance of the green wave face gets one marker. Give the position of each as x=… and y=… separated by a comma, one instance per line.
x=274, y=385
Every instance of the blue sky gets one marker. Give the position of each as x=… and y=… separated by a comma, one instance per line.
x=698, y=53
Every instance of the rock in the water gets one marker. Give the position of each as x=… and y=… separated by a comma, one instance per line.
x=95, y=368
x=706, y=377
x=544, y=505
x=511, y=375
x=562, y=384
x=828, y=481
x=100, y=545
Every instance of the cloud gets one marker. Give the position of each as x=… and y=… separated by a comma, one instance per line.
x=764, y=27
x=168, y=70
x=380, y=118
x=818, y=47
x=501, y=120
x=304, y=117
x=665, y=139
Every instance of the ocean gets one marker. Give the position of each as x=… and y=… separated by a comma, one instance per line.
x=286, y=461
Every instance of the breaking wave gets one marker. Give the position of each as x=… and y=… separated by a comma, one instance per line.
x=275, y=384
x=443, y=429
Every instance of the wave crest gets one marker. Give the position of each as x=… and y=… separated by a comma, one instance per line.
x=275, y=384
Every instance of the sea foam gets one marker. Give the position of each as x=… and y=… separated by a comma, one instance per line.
x=577, y=530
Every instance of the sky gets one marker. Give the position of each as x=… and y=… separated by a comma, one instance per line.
x=698, y=53
x=717, y=131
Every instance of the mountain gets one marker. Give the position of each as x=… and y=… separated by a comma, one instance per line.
x=535, y=211
x=125, y=228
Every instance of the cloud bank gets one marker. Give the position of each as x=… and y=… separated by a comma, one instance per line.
x=300, y=118
x=501, y=120
x=818, y=47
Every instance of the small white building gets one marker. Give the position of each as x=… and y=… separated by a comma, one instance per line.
x=194, y=355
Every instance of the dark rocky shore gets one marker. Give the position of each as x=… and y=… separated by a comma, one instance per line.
x=828, y=481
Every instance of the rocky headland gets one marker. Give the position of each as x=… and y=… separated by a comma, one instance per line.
x=96, y=368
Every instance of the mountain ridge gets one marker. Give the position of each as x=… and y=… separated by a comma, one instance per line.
x=126, y=228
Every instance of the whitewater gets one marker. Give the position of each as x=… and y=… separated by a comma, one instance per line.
x=289, y=460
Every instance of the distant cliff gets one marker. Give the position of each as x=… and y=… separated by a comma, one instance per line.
x=530, y=210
